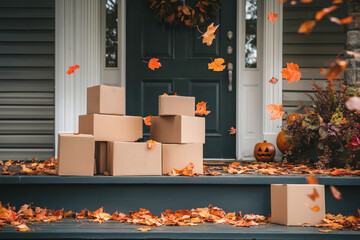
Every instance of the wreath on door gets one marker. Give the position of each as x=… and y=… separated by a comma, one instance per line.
x=173, y=12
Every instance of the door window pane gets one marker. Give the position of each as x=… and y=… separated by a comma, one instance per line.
x=251, y=34
x=111, y=53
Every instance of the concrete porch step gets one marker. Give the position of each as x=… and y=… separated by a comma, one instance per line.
x=233, y=193
x=70, y=229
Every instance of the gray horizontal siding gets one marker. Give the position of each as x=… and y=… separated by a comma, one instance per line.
x=27, y=48
x=310, y=52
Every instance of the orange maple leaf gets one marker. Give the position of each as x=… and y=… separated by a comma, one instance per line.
x=72, y=69
x=312, y=180
x=201, y=109
x=315, y=208
x=209, y=35
x=154, y=63
x=151, y=144
x=232, y=130
x=320, y=14
x=336, y=69
x=273, y=80
x=272, y=16
x=216, y=65
x=343, y=21
x=335, y=192
x=147, y=120
x=314, y=195
x=275, y=111
x=291, y=72
x=307, y=27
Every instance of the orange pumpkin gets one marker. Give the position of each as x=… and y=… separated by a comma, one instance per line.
x=282, y=144
x=264, y=152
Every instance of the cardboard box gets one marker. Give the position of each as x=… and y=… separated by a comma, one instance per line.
x=100, y=157
x=170, y=105
x=178, y=129
x=106, y=100
x=178, y=156
x=76, y=154
x=133, y=158
x=111, y=127
x=291, y=206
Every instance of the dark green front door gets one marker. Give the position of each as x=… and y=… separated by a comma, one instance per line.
x=184, y=70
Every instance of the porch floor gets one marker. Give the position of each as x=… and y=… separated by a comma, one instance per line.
x=70, y=229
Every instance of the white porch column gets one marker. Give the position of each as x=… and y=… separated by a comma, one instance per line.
x=77, y=39
x=272, y=62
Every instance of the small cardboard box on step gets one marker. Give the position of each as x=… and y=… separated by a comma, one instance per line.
x=171, y=105
x=178, y=129
x=133, y=159
x=104, y=99
x=111, y=127
x=76, y=154
x=291, y=205
x=178, y=156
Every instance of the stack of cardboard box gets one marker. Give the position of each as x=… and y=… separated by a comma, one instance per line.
x=107, y=135
x=181, y=133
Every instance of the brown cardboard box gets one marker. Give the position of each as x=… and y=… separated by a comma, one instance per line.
x=106, y=100
x=100, y=157
x=178, y=156
x=111, y=127
x=133, y=158
x=178, y=129
x=76, y=154
x=170, y=105
x=291, y=206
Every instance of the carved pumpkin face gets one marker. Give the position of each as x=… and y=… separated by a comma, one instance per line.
x=264, y=152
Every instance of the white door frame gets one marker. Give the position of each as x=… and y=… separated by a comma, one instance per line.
x=79, y=39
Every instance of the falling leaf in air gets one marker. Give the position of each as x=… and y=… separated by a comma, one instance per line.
x=272, y=16
x=307, y=27
x=151, y=144
x=209, y=35
x=312, y=180
x=314, y=195
x=144, y=229
x=320, y=14
x=147, y=120
x=201, y=109
x=336, y=69
x=216, y=65
x=275, y=111
x=343, y=21
x=322, y=71
x=336, y=193
x=72, y=69
x=154, y=63
x=354, y=54
x=291, y=72
x=273, y=80
x=353, y=103
x=315, y=208
x=232, y=130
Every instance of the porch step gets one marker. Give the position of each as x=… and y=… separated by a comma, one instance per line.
x=70, y=229
x=246, y=193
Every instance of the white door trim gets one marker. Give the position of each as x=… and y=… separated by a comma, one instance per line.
x=77, y=41
x=253, y=91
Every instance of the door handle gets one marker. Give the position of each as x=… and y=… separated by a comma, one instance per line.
x=230, y=75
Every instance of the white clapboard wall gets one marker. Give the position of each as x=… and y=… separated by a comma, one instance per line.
x=27, y=48
x=310, y=52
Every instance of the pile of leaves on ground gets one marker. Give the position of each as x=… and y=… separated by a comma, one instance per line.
x=340, y=222
x=33, y=167
x=285, y=169
x=27, y=215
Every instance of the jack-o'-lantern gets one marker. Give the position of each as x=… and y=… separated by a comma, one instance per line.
x=264, y=152
x=282, y=144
